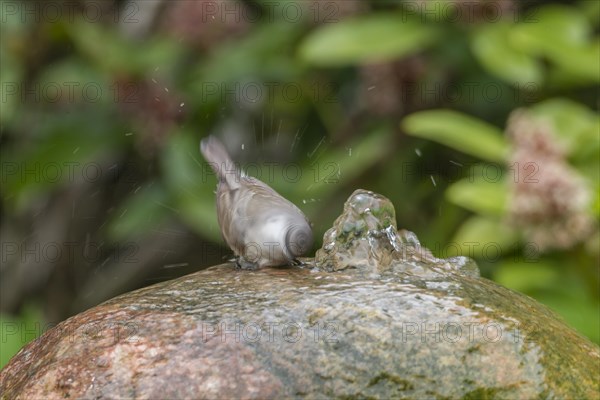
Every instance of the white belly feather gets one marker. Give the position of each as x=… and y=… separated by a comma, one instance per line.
x=268, y=242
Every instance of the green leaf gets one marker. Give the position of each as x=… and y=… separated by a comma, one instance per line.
x=116, y=54
x=493, y=49
x=371, y=38
x=75, y=82
x=434, y=10
x=459, y=131
x=488, y=237
x=254, y=57
x=554, y=26
x=582, y=62
x=563, y=35
x=488, y=198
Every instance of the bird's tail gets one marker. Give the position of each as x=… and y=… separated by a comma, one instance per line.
x=217, y=157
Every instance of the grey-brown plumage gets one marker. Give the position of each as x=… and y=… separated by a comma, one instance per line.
x=259, y=225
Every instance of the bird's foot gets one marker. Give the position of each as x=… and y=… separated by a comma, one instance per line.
x=243, y=264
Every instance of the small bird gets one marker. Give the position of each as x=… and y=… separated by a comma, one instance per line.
x=259, y=225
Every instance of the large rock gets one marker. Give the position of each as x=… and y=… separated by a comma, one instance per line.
x=377, y=316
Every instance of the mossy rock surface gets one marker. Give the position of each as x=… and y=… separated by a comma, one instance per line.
x=419, y=327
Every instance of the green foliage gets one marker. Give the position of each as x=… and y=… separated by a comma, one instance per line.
x=187, y=179
x=485, y=192
x=18, y=331
x=54, y=161
x=487, y=236
x=109, y=52
x=554, y=49
x=142, y=211
x=256, y=56
x=376, y=101
x=376, y=37
x=561, y=290
x=576, y=125
x=483, y=197
x=560, y=34
x=492, y=46
x=339, y=166
x=458, y=131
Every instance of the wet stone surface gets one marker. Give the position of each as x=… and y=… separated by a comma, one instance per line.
x=375, y=316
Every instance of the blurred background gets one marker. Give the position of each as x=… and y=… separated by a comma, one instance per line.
x=478, y=119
